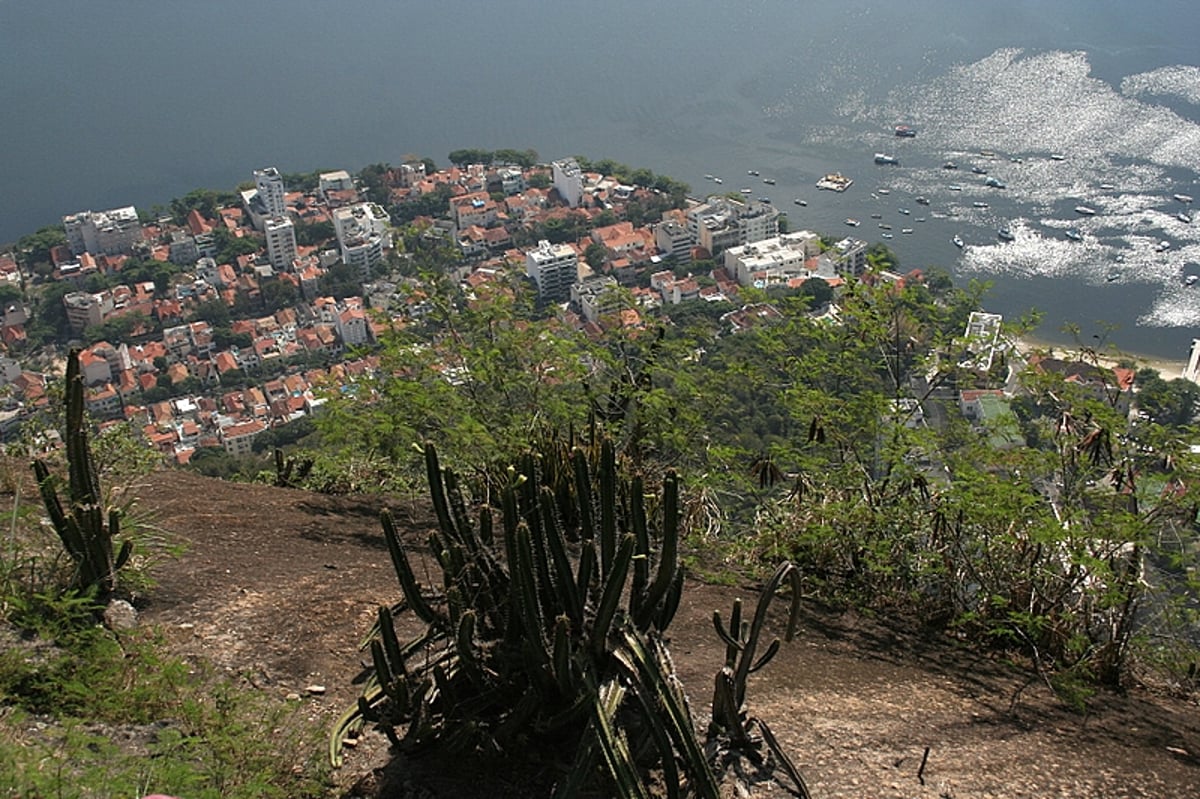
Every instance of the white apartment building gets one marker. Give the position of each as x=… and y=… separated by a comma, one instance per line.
x=281, y=242
x=269, y=184
x=103, y=232
x=84, y=309
x=568, y=181
x=596, y=295
x=363, y=233
x=673, y=240
x=774, y=260
x=721, y=222
x=338, y=180
x=554, y=268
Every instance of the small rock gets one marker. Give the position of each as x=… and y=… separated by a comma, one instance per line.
x=293, y=697
x=315, y=689
x=120, y=615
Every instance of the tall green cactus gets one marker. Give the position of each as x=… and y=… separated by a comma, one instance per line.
x=86, y=530
x=531, y=629
x=731, y=725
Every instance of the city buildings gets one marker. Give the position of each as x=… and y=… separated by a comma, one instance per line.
x=103, y=232
x=281, y=242
x=554, y=268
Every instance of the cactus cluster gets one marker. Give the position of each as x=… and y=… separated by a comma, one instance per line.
x=85, y=527
x=545, y=632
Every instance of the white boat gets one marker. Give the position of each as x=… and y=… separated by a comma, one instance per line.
x=887, y=235
x=1004, y=234
x=1074, y=234
x=884, y=191
x=717, y=180
x=1183, y=198
x=904, y=211
x=1162, y=246
x=708, y=177
x=979, y=204
x=1107, y=186
x=889, y=160
x=1057, y=157
x=995, y=183
x=1085, y=210
x=906, y=230
x=1190, y=280
x=877, y=216
x=1184, y=218
x=747, y=190
x=798, y=201
x=769, y=181
x=852, y=222
x=954, y=187
x=752, y=172
x=884, y=226
x=958, y=242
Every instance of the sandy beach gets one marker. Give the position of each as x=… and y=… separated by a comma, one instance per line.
x=1168, y=369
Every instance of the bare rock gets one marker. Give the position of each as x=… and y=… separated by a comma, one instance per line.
x=120, y=615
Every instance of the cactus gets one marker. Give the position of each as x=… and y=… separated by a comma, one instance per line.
x=86, y=531
x=536, y=623
x=731, y=725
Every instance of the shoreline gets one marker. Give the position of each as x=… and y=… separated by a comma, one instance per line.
x=1168, y=368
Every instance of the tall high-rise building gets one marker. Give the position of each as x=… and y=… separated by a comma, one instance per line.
x=554, y=268
x=281, y=242
x=270, y=190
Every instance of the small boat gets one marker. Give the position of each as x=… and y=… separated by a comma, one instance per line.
x=995, y=183
x=798, y=201
x=1085, y=210
x=1113, y=277
x=1073, y=234
x=1107, y=187
x=708, y=177
x=887, y=235
x=954, y=187
x=1184, y=218
x=884, y=226
x=717, y=180
x=905, y=132
x=884, y=191
x=877, y=216
x=852, y=222
x=906, y=230
x=904, y=211
x=1162, y=246
x=979, y=204
x=769, y=181
x=884, y=158
x=1017, y=160
x=752, y=172
x=766, y=200
x=949, y=165
x=747, y=190
x=987, y=153
x=1004, y=234
x=1190, y=280
x=1057, y=157
x=1183, y=198
x=978, y=170
x=922, y=201
x=920, y=219
x=958, y=242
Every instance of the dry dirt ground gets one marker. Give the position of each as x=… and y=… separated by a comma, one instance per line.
x=280, y=585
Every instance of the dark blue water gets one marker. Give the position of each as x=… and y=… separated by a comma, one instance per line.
x=128, y=101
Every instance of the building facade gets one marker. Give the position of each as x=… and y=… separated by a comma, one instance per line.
x=281, y=242
x=554, y=268
x=270, y=190
x=103, y=232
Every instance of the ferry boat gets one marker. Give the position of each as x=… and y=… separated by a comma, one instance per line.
x=1074, y=234
x=884, y=158
x=1085, y=210
x=834, y=181
x=852, y=222
x=1183, y=198
x=905, y=132
x=958, y=242
x=1004, y=234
